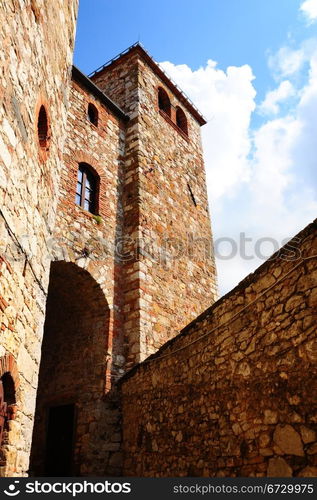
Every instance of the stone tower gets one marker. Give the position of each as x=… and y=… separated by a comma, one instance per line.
x=169, y=272
x=36, y=39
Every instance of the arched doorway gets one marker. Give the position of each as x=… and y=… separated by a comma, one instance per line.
x=8, y=387
x=72, y=372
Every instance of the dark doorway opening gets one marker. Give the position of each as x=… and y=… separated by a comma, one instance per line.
x=60, y=441
x=72, y=374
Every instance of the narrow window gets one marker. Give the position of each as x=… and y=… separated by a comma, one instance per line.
x=93, y=114
x=7, y=406
x=42, y=128
x=163, y=102
x=181, y=120
x=192, y=195
x=86, y=192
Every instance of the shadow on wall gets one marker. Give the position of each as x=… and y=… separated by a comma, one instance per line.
x=72, y=372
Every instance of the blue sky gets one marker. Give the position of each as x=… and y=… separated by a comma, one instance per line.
x=231, y=32
x=251, y=67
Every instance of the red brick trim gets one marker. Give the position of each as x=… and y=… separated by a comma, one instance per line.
x=171, y=120
x=94, y=112
x=182, y=117
x=161, y=93
x=179, y=130
x=42, y=151
x=8, y=365
x=83, y=157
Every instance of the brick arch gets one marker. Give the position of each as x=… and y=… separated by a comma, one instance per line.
x=43, y=152
x=8, y=365
x=83, y=157
x=75, y=365
x=164, y=101
x=80, y=275
x=181, y=120
x=87, y=275
x=10, y=378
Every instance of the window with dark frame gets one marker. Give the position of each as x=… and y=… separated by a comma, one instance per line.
x=86, y=192
x=92, y=114
x=164, y=102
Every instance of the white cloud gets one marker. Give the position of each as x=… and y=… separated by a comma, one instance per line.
x=261, y=182
x=288, y=62
x=270, y=105
x=309, y=8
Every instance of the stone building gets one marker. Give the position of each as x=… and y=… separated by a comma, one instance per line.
x=106, y=255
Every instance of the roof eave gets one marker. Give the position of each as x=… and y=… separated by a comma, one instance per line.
x=138, y=48
x=80, y=77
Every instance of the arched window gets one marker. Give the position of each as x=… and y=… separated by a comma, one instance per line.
x=87, y=186
x=181, y=120
x=42, y=128
x=163, y=102
x=7, y=403
x=92, y=114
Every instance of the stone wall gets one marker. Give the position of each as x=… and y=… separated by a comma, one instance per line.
x=170, y=277
x=36, y=39
x=234, y=394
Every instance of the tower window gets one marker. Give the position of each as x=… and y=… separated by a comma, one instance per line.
x=93, y=114
x=86, y=192
x=192, y=195
x=42, y=128
x=181, y=120
x=163, y=102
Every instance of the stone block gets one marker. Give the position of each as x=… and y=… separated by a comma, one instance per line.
x=278, y=467
x=288, y=440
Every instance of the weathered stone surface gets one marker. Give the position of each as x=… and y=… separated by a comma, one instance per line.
x=270, y=417
x=237, y=425
x=278, y=467
x=35, y=57
x=288, y=440
x=312, y=450
x=308, y=435
x=138, y=270
x=308, y=472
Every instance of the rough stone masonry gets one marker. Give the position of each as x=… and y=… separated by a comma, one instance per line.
x=36, y=40
x=106, y=255
x=235, y=393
